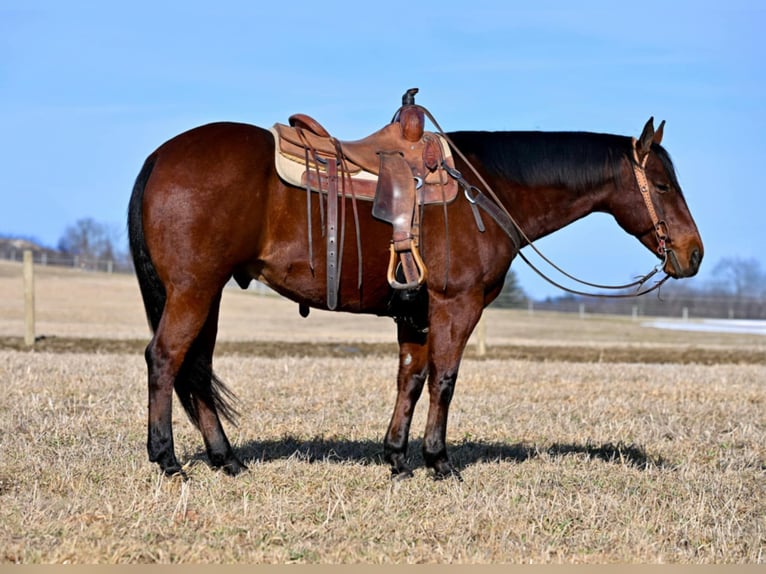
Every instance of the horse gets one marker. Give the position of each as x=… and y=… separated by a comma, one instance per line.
x=208, y=205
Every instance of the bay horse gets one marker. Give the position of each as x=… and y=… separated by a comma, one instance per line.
x=209, y=205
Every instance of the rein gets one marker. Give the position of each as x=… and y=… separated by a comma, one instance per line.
x=495, y=208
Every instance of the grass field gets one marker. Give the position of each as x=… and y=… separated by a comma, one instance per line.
x=579, y=440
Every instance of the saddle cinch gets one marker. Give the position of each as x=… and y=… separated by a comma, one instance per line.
x=400, y=168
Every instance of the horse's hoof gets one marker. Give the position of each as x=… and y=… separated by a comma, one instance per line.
x=401, y=473
x=399, y=468
x=227, y=462
x=455, y=475
x=445, y=471
x=175, y=472
x=441, y=466
x=234, y=467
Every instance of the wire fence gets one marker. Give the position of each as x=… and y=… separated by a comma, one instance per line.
x=45, y=257
x=680, y=303
x=669, y=302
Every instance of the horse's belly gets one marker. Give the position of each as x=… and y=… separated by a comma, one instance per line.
x=298, y=282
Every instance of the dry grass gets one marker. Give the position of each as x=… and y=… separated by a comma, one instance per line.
x=562, y=461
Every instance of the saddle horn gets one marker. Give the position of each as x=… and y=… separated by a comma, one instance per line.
x=408, y=99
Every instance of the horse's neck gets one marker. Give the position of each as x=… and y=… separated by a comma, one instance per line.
x=542, y=211
x=547, y=180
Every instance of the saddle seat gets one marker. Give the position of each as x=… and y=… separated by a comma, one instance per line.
x=360, y=159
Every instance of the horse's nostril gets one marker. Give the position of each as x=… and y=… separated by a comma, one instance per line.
x=695, y=259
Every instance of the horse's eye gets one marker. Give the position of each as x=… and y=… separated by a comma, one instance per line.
x=662, y=187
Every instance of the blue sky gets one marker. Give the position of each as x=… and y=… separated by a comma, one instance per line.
x=88, y=89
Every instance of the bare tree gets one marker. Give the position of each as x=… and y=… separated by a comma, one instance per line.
x=89, y=240
x=740, y=277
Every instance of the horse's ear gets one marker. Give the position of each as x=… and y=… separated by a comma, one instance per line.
x=658, y=133
x=644, y=143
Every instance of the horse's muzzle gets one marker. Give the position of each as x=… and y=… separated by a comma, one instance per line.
x=675, y=269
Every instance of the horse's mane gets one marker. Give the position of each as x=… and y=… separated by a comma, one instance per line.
x=572, y=160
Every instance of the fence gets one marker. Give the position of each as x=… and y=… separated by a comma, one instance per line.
x=46, y=257
x=669, y=304
x=676, y=303
x=672, y=300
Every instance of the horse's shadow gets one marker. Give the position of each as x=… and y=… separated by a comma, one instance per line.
x=463, y=454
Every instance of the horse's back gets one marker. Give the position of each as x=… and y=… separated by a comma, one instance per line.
x=217, y=146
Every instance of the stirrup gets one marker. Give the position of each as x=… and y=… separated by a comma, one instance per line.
x=391, y=273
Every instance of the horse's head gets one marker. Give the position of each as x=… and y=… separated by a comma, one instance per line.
x=653, y=208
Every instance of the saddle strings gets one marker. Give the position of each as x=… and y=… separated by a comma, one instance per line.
x=306, y=147
x=346, y=177
x=637, y=283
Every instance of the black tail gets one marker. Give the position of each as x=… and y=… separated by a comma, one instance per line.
x=152, y=289
x=196, y=378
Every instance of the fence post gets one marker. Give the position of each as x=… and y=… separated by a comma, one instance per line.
x=29, y=298
x=481, y=336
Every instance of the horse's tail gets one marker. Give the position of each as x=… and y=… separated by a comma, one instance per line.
x=196, y=378
x=152, y=289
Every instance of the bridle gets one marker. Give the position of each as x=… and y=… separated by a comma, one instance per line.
x=509, y=225
x=660, y=227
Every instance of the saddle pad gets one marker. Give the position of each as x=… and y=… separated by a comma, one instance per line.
x=438, y=186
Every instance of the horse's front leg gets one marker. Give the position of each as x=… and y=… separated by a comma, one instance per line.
x=452, y=322
x=413, y=371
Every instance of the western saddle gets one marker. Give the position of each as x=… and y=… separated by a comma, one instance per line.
x=400, y=168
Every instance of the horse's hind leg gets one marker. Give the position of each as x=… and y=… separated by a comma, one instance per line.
x=218, y=448
x=182, y=319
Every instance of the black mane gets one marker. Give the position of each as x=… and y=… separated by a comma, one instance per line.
x=571, y=160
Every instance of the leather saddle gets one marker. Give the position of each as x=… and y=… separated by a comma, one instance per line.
x=399, y=167
x=360, y=159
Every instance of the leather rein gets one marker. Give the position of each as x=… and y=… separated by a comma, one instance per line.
x=495, y=208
